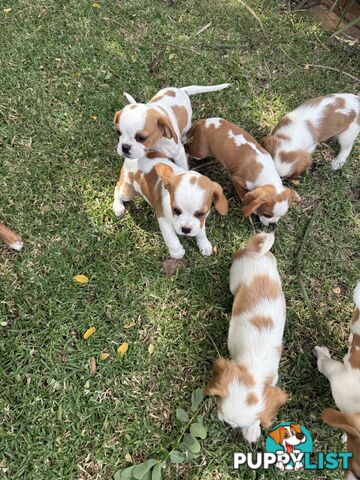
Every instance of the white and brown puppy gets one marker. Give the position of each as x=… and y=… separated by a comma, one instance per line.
x=295, y=137
x=344, y=378
x=251, y=168
x=245, y=386
x=182, y=199
x=159, y=124
x=11, y=239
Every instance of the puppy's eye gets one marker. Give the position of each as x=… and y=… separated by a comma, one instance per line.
x=140, y=138
x=199, y=214
x=286, y=434
x=266, y=216
x=177, y=211
x=118, y=132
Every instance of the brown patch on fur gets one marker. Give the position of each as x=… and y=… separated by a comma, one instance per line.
x=283, y=122
x=181, y=115
x=132, y=107
x=253, y=245
x=116, y=117
x=355, y=316
x=251, y=398
x=354, y=357
x=248, y=296
x=261, y=322
x=300, y=159
x=274, y=399
x=333, y=122
x=224, y=372
x=8, y=236
x=262, y=200
x=157, y=97
x=153, y=155
x=156, y=126
x=270, y=143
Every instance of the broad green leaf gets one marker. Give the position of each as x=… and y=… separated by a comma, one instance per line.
x=141, y=470
x=177, y=457
x=191, y=443
x=181, y=415
x=156, y=473
x=200, y=419
x=124, y=474
x=192, y=456
x=196, y=398
x=198, y=430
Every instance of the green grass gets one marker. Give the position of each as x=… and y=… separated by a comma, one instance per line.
x=65, y=62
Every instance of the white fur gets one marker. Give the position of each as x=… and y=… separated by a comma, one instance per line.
x=300, y=137
x=216, y=121
x=253, y=348
x=17, y=245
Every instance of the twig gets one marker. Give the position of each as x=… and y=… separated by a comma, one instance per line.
x=332, y=68
x=298, y=271
x=249, y=9
x=205, y=27
x=217, y=351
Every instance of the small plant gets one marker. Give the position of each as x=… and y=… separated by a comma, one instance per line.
x=186, y=448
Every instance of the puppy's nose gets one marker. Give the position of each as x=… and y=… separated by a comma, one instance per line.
x=185, y=230
x=126, y=148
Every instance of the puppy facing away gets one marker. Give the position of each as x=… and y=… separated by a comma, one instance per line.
x=344, y=378
x=182, y=199
x=295, y=137
x=245, y=386
x=251, y=168
x=159, y=124
x=11, y=239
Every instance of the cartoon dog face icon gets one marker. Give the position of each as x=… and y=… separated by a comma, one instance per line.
x=289, y=437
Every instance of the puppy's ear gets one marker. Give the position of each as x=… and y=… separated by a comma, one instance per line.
x=293, y=196
x=165, y=172
x=276, y=435
x=274, y=399
x=116, y=117
x=129, y=98
x=165, y=124
x=270, y=143
x=347, y=422
x=252, y=201
x=217, y=384
x=296, y=427
x=220, y=202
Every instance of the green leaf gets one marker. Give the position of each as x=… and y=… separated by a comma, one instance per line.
x=196, y=398
x=198, y=430
x=192, y=456
x=181, y=415
x=124, y=474
x=191, y=443
x=200, y=419
x=177, y=457
x=141, y=470
x=156, y=473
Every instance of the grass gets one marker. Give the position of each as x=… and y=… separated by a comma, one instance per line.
x=64, y=66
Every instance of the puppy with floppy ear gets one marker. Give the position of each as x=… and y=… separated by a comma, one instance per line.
x=181, y=199
x=245, y=386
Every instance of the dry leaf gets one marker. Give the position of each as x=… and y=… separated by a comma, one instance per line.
x=336, y=290
x=93, y=117
x=306, y=67
x=96, y=5
x=215, y=249
x=104, y=355
x=128, y=457
x=89, y=332
x=151, y=348
x=7, y=10
x=123, y=349
x=81, y=278
x=129, y=325
x=295, y=182
x=92, y=366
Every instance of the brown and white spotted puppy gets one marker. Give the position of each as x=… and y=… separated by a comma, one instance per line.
x=182, y=199
x=245, y=386
x=11, y=239
x=344, y=378
x=295, y=137
x=159, y=124
x=251, y=168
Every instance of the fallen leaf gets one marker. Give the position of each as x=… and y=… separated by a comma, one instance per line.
x=104, y=355
x=96, y=5
x=92, y=366
x=306, y=67
x=89, y=332
x=336, y=290
x=93, y=117
x=3, y=324
x=7, y=10
x=295, y=182
x=81, y=278
x=151, y=349
x=128, y=457
x=215, y=249
x=129, y=325
x=123, y=349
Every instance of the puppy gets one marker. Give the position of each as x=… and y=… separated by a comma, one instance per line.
x=181, y=199
x=245, y=386
x=288, y=437
x=159, y=124
x=10, y=238
x=344, y=378
x=251, y=168
x=295, y=137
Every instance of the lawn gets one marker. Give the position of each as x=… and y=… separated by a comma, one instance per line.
x=64, y=67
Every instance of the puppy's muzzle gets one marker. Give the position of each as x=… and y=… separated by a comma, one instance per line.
x=126, y=149
x=186, y=230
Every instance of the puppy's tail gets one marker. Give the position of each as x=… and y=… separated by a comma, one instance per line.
x=355, y=322
x=10, y=238
x=129, y=98
x=195, y=89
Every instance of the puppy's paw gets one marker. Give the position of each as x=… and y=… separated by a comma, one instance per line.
x=336, y=164
x=344, y=438
x=118, y=208
x=177, y=253
x=321, y=352
x=17, y=245
x=205, y=248
x=252, y=433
